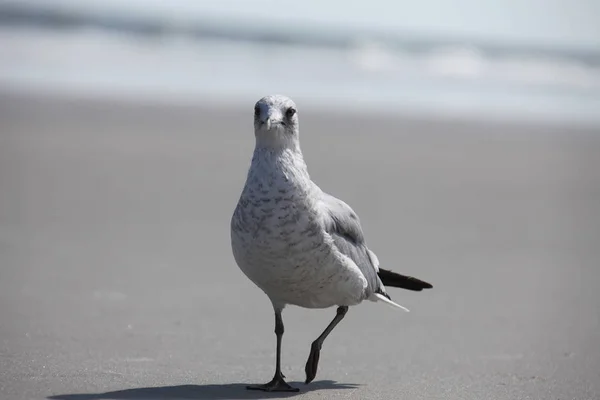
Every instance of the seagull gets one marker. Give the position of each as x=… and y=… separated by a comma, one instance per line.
x=298, y=244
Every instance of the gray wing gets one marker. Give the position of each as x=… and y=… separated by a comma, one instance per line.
x=342, y=223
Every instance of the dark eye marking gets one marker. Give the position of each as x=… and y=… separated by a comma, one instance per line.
x=257, y=110
x=290, y=112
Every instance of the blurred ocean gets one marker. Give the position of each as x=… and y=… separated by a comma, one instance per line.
x=161, y=58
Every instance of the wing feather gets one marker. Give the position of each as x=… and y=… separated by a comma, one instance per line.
x=342, y=223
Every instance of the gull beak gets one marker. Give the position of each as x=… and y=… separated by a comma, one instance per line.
x=273, y=117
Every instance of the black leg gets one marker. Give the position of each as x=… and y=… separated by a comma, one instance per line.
x=278, y=383
x=315, y=350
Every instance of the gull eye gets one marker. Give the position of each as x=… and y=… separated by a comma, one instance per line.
x=256, y=111
x=290, y=112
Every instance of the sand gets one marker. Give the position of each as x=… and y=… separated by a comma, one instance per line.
x=117, y=279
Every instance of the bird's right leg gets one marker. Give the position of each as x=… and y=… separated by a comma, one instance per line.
x=278, y=383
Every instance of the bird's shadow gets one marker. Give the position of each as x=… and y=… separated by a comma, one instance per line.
x=233, y=391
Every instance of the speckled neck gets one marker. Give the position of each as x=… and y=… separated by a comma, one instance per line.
x=279, y=166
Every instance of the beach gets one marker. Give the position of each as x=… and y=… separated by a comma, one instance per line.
x=117, y=279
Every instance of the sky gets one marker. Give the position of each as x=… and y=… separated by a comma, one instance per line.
x=546, y=22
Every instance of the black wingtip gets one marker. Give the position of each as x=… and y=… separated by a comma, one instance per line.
x=393, y=279
x=426, y=285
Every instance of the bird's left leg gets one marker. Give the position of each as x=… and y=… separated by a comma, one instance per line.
x=315, y=349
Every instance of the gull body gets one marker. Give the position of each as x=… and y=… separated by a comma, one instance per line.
x=279, y=241
x=298, y=244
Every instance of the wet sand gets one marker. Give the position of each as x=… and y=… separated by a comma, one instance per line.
x=117, y=279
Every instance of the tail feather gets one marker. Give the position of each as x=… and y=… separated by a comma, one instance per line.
x=393, y=279
x=388, y=301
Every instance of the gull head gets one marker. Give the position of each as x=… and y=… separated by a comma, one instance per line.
x=276, y=121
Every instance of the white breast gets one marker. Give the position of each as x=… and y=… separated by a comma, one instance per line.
x=278, y=242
